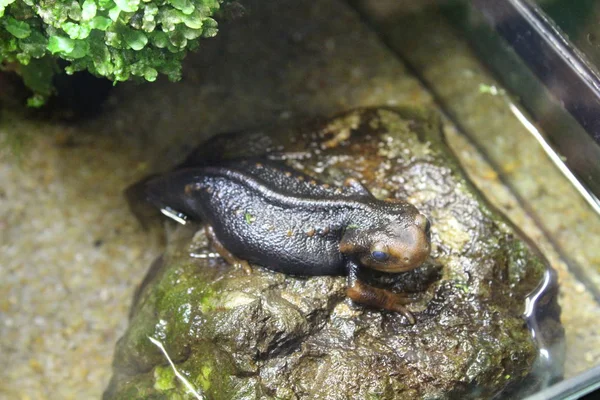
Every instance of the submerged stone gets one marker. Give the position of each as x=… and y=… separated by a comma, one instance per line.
x=233, y=335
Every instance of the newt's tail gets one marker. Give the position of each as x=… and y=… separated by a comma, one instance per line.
x=167, y=193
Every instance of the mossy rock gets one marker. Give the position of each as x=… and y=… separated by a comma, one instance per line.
x=268, y=335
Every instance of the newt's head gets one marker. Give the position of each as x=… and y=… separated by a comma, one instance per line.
x=396, y=245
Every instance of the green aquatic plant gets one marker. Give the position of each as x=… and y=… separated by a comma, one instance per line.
x=116, y=39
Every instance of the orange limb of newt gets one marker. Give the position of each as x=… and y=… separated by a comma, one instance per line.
x=226, y=254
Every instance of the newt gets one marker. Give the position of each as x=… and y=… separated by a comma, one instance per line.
x=266, y=213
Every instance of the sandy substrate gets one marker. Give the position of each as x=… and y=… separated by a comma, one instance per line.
x=71, y=254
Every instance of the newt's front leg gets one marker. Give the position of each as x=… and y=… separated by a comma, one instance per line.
x=226, y=254
x=362, y=293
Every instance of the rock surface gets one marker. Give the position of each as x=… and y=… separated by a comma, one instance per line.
x=269, y=335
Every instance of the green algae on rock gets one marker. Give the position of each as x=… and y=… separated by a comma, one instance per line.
x=268, y=335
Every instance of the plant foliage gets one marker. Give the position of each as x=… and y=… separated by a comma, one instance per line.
x=116, y=39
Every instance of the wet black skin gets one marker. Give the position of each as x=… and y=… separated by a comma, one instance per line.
x=274, y=216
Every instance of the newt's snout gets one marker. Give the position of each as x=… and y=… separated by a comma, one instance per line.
x=411, y=246
x=394, y=248
x=416, y=243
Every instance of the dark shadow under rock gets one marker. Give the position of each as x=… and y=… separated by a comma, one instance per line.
x=270, y=335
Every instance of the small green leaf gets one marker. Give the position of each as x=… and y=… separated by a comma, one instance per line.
x=185, y=6
x=59, y=44
x=150, y=10
x=11, y=44
x=100, y=57
x=148, y=26
x=19, y=29
x=115, y=40
x=190, y=34
x=36, y=101
x=209, y=28
x=127, y=5
x=135, y=39
x=150, y=74
x=74, y=11
x=38, y=74
x=76, y=65
x=113, y=13
x=193, y=20
x=23, y=58
x=149, y=20
x=35, y=44
x=177, y=37
x=76, y=31
x=249, y=218
x=490, y=89
x=80, y=49
x=71, y=29
x=88, y=10
x=100, y=23
x=169, y=18
x=159, y=39
x=105, y=4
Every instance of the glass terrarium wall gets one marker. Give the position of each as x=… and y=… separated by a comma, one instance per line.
x=514, y=118
x=578, y=22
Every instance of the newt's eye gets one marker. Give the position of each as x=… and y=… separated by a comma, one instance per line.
x=379, y=255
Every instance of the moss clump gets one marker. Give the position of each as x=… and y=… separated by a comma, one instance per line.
x=116, y=39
